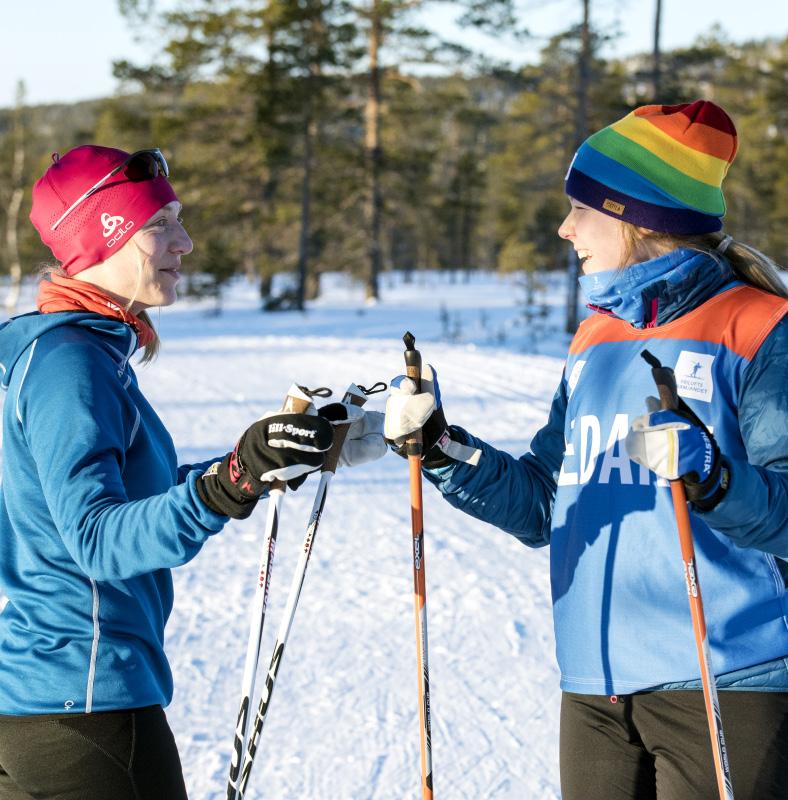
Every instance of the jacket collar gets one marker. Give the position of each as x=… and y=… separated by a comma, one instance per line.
x=657, y=291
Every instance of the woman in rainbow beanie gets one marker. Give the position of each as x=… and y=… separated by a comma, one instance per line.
x=659, y=274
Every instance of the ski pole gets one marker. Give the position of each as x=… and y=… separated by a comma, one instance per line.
x=413, y=449
x=669, y=399
x=298, y=400
x=357, y=396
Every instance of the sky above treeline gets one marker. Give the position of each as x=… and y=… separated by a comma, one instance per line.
x=64, y=51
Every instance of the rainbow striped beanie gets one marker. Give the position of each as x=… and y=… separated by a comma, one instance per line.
x=660, y=167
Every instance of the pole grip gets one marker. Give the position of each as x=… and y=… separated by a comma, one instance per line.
x=413, y=444
x=665, y=379
x=412, y=359
x=296, y=402
x=354, y=397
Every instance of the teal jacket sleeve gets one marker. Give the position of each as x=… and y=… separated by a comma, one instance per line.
x=514, y=494
x=78, y=422
x=754, y=511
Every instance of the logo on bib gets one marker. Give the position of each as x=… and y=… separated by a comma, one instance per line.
x=693, y=375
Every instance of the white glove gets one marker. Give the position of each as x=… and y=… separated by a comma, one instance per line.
x=364, y=438
x=407, y=410
x=364, y=441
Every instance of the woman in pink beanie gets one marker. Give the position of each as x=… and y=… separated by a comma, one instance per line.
x=94, y=509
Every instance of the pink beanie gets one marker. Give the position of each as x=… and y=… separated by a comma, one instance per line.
x=100, y=225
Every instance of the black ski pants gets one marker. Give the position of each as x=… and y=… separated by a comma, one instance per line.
x=112, y=755
x=656, y=746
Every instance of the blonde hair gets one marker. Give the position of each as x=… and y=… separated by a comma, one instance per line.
x=151, y=350
x=749, y=265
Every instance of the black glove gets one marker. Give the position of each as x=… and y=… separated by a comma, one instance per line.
x=285, y=447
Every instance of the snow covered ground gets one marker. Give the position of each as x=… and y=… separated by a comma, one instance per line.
x=343, y=723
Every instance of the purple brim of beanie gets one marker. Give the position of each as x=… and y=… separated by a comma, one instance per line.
x=681, y=221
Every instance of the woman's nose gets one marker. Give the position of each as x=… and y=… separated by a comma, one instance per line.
x=566, y=229
x=183, y=243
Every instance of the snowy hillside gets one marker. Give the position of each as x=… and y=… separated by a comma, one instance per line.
x=343, y=723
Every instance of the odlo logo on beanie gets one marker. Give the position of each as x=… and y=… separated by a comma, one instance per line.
x=111, y=224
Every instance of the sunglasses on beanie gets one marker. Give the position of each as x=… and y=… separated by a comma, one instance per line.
x=142, y=165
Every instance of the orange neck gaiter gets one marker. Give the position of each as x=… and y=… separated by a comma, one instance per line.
x=60, y=293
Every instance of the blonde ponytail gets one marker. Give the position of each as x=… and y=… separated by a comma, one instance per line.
x=151, y=350
x=748, y=264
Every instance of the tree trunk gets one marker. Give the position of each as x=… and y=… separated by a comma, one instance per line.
x=657, y=63
x=14, y=267
x=265, y=287
x=269, y=198
x=312, y=285
x=373, y=152
x=306, y=208
x=467, y=220
x=14, y=204
x=581, y=133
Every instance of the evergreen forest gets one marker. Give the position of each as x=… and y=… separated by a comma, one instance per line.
x=306, y=136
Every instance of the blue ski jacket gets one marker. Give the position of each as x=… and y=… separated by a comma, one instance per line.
x=621, y=617
x=93, y=513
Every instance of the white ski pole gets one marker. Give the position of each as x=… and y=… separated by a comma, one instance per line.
x=298, y=401
x=356, y=396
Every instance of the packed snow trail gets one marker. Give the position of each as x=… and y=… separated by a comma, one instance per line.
x=343, y=722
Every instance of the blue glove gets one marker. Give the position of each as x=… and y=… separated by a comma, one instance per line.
x=676, y=444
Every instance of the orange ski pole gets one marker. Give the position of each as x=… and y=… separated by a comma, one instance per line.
x=413, y=448
x=669, y=399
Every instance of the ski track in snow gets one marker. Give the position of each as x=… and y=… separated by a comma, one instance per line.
x=343, y=722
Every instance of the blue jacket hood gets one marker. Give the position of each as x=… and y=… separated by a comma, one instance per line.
x=16, y=335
